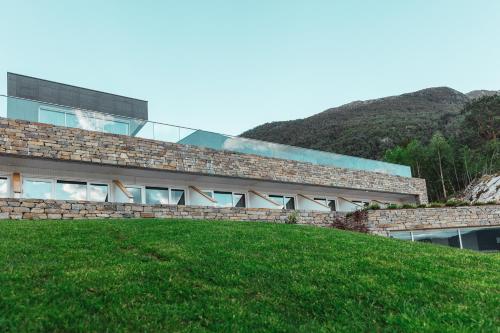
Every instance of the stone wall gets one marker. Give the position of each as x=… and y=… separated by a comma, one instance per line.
x=59, y=209
x=385, y=220
x=21, y=138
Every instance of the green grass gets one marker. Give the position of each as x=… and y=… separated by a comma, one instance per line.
x=171, y=275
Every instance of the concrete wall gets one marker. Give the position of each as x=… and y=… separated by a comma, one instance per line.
x=35, y=140
x=57, y=209
x=383, y=221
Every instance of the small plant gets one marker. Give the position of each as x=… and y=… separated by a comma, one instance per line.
x=374, y=206
x=292, y=218
x=355, y=221
x=392, y=206
x=436, y=205
x=422, y=206
x=408, y=206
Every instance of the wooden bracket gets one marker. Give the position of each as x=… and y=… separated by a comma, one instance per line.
x=310, y=199
x=264, y=197
x=200, y=192
x=16, y=182
x=122, y=187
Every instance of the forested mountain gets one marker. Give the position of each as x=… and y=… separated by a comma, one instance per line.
x=447, y=137
x=369, y=128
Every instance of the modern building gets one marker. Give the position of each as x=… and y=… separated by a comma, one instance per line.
x=69, y=143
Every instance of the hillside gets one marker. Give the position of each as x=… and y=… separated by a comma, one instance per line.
x=369, y=128
x=170, y=275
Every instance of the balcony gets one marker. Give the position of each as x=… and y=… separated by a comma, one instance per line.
x=60, y=115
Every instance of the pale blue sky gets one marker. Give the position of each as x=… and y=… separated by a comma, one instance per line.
x=230, y=65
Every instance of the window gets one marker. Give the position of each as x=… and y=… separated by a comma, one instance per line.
x=71, y=190
x=79, y=120
x=113, y=126
x=37, y=189
x=327, y=202
x=284, y=201
x=4, y=187
x=224, y=199
x=136, y=194
x=156, y=195
x=57, y=118
x=178, y=197
x=239, y=200
x=98, y=192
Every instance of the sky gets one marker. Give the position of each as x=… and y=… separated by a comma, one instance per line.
x=227, y=66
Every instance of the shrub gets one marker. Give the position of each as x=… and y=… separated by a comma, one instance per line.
x=408, y=206
x=422, y=206
x=355, y=221
x=293, y=218
x=374, y=206
x=392, y=206
x=436, y=204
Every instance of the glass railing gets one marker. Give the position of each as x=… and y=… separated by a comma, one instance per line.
x=18, y=108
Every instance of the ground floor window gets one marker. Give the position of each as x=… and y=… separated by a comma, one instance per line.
x=37, y=189
x=478, y=239
x=286, y=202
x=178, y=197
x=153, y=195
x=327, y=202
x=157, y=195
x=229, y=199
x=136, y=193
x=4, y=187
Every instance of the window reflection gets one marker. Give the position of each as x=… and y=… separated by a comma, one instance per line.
x=441, y=237
x=224, y=199
x=481, y=239
x=156, y=195
x=69, y=190
x=37, y=189
x=283, y=201
x=4, y=187
x=98, y=192
x=136, y=194
x=239, y=200
x=178, y=197
x=56, y=118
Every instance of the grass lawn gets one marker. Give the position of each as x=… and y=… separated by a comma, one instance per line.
x=174, y=275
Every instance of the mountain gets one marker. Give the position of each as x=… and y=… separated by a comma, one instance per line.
x=369, y=128
x=481, y=93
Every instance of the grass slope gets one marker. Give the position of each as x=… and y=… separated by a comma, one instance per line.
x=169, y=275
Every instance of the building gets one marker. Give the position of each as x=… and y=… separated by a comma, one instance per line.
x=68, y=143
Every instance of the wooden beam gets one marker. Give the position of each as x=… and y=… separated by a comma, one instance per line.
x=310, y=199
x=362, y=206
x=200, y=192
x=263, y=197
x=16, y=182
x=122, y=188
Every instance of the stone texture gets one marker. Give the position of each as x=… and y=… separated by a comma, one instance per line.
x=22, y=138
x=385, y=220
x=35, y=209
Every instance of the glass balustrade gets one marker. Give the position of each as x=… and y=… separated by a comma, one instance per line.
x=18, y=108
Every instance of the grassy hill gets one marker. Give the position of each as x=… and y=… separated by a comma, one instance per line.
x=169, y=275
x=369, y=128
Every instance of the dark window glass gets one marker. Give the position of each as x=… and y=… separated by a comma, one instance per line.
x=224, y=199
x=322, y=201
x=156, y=195
x=178, y=197
x=331, y=204
x=442, y=237
x=481, y=239
x=289, y=203
x=239, y=200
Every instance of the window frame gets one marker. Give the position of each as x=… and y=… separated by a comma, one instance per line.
x=54, y=182
x=283, y=206
x=9, y=185
x=327, y=198
x=170, y=188
x=39, y=179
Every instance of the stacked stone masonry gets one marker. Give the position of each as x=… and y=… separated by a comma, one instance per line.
x=39, y=209
x=383, y=221
x=36, y=140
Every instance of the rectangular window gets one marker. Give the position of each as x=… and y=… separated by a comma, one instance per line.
x=37, y=189
x=239, y=200
x=56, y=118
x=283, y=201
x=224, y=199
x=332, y=205
x=156, y=195
x=4, y=187
x=71, y=190
x=136, y=194
x=178, y=197
x=98, y=192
